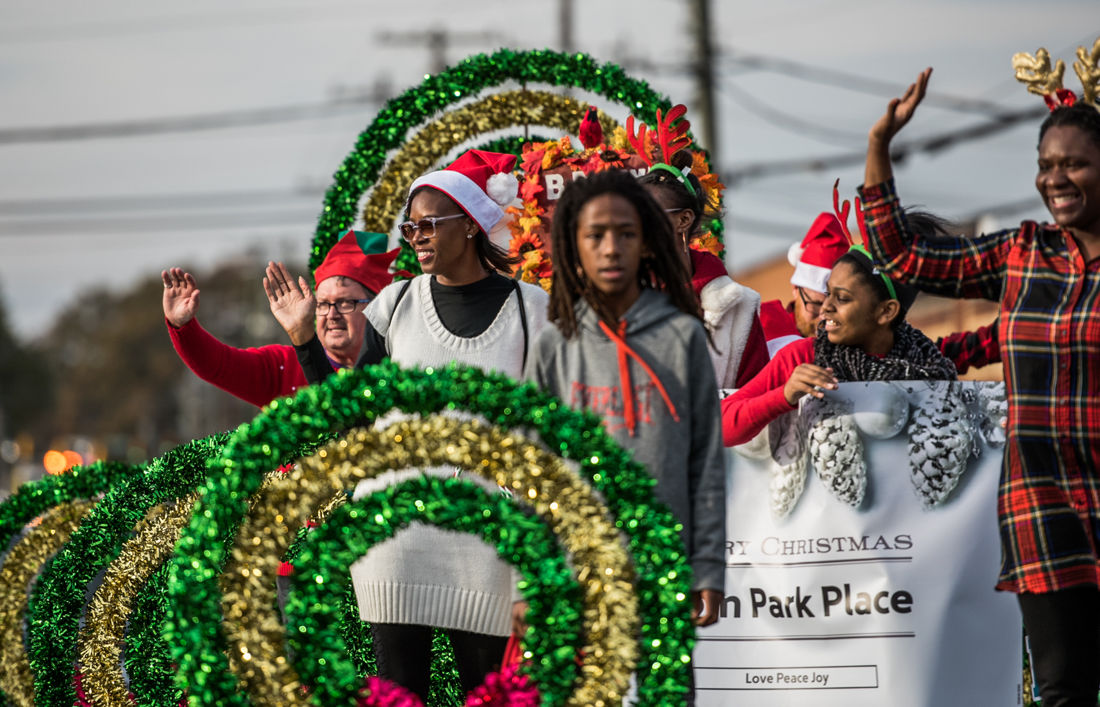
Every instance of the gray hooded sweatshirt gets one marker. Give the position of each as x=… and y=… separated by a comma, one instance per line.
x=668, y=416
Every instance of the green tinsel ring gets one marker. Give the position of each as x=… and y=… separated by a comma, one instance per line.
x=147, y=661
x=475, y=73
x=34, y=498
x=444, y=690
x=353, y=398
x=61, y=591
x=522, y=540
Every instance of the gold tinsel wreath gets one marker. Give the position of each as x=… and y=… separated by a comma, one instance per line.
x=574, y=512
x=496, y=112
x=100, y=641
x=20, y=567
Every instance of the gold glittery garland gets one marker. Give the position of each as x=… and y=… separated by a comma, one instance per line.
x=100, y=641
x=20, y=567
x=574, y=512
x=496, y=112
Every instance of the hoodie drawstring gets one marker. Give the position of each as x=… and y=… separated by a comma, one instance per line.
x=624, y=350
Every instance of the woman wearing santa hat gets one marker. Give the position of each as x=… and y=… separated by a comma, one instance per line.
x=460, y=310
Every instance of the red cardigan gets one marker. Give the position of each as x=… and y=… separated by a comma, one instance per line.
x=761, y=400
x=257, y=375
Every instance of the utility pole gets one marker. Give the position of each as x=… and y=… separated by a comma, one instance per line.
x=565, y=26
x=702, y=68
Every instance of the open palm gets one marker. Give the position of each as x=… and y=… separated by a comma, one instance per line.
x=291, y=302
x=900, y=110
x=181, y=296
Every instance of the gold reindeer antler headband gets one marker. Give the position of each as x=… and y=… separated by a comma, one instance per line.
x=1040, y=78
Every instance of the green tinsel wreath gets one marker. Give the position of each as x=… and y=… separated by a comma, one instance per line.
x=357, y=397
x=390, y=128
x=61, y=591
x=314, y=609
x=34, y=498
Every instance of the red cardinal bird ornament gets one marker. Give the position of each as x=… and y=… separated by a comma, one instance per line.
x=590, y=131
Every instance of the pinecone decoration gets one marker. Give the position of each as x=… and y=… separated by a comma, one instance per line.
x=939, y=444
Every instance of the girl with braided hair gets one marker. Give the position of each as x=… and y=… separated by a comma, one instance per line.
x=863, y=337
x=629, y=345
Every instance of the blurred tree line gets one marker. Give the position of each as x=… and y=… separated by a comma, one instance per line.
x=106, y=372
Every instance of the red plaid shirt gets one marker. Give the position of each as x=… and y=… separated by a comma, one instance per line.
x=1049, y=499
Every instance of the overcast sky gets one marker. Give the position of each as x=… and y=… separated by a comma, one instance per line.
x=85, y=212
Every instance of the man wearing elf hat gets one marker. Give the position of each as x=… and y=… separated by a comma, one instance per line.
x=823, y=244
x=353, y=272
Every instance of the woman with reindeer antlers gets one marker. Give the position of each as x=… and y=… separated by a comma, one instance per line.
x=1047, y=279
x=738, y=349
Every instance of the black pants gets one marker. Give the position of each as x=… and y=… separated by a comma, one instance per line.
x=1063, y=629
x=404, y=654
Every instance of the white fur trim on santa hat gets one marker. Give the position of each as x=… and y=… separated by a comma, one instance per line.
x=812, y=277
x=502, y=188
x=466, y=193
x=794, y=254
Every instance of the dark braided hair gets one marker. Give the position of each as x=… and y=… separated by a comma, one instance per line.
x=661, y=269
x=1081, y=115
x=492, y=256
x=703, y=208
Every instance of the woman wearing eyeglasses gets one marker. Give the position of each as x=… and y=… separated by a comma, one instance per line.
x=460, y=310
x=863, y=337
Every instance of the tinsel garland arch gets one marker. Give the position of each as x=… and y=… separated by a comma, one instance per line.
x=36, y=498
x=495, y=112
x=358, y=397
x=565, y=502
x=390, y=128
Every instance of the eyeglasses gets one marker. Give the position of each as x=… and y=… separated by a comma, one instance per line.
x=343, y=306
x=807, y=302
x=426, y=226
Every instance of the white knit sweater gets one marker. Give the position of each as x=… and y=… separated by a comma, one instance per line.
x=426, y=575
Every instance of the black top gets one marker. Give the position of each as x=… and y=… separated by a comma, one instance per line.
x=464, y=310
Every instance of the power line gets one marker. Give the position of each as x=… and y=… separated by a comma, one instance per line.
x=186, y=123
x=929, y=144
x=183, y=221
x=791, y=123
x=858, y=83
x=154, y=202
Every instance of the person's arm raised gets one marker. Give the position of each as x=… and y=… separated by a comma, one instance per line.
x=181, y=296
x=898, y=113
x=292, y=303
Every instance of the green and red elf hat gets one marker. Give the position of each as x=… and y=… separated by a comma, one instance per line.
x=363, y=257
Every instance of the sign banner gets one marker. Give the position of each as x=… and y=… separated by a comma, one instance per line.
x=862, y=550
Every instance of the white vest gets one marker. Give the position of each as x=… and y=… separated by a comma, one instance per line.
x=426, y=575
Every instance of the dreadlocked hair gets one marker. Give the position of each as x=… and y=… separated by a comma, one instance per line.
x=701, y=206
x=492, y=256
x=1081, y=115
x=661, y=269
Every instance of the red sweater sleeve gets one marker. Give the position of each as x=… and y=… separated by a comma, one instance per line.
x=761, y=400
x=755, y=356
x=257, y=375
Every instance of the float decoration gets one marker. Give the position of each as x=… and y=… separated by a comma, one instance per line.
x=351, y=398
x=390, y=129
x=548, y=166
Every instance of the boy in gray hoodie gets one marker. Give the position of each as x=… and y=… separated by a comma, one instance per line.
x=629, y=344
